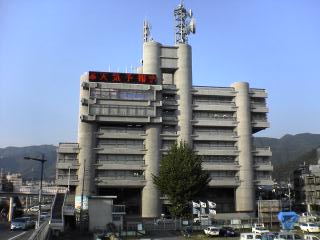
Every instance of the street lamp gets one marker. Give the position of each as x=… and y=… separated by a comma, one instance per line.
x=42, y=160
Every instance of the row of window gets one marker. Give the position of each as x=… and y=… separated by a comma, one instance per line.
x=119, y=157
x=121, y=94
x=121, y=110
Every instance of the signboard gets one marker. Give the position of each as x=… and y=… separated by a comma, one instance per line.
x=78, y=200
x=112, y=77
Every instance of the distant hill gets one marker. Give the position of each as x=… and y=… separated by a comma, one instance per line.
x=11, y=160
x=288, y=153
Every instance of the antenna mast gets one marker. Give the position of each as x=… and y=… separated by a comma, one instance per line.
x=146, y=31
x=184, y=24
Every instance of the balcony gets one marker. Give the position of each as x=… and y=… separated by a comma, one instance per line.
x=265, y=181
x=168, y=102
x=256, y=92
x=213, y=91
x=66, y=164
x=169, y=118
x=220, y=166
x=215, y=122
x=125, y=181
x=65, y=148
x=120, y=165
x=64, y=179
x=114, y=149
x=214, y=106
x=214, y=136
x=120, y=113
x=263, y=152
x=260, y=124
x=121, y=135
x=216, y=151
x=224, y=181
x=263, y=166
x=259, y=108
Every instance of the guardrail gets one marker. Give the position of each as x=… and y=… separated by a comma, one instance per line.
x=41, y=233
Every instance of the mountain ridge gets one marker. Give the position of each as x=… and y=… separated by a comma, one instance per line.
x=288, y=152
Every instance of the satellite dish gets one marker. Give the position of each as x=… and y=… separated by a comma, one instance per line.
x=192, y=26
x=190, y=13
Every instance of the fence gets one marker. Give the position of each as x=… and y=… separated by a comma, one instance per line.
x=42, y=233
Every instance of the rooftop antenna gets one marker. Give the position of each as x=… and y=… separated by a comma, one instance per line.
x=184, y=23
x=146, y=31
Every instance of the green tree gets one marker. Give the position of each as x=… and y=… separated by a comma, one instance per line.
x=181, y=178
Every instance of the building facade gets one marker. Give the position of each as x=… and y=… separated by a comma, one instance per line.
x=125, y=128
x=307, y=186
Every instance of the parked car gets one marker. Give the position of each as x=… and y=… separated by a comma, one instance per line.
x=228, y=232
x=288, y=236
x=212, y=231
x=260, y=230
x=203, y=220
x=307, y=217
x=250, y=236
x=309, y=227
x=164, y=219
x=19, y=224
x=310, y=237
x=269, y=235
x=257, y=225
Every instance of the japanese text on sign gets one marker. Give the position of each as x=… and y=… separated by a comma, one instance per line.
x=112, y=77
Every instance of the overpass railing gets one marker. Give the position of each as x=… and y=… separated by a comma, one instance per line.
x=41, y=233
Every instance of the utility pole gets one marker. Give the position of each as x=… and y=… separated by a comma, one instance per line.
x=289, y=195
x=42, y=160
x=69, y=180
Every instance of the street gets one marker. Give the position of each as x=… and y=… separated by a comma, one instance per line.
x=6, y=234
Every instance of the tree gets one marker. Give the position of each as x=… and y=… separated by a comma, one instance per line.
x=181, y=178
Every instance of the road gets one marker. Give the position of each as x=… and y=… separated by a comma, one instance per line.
x=6, y=234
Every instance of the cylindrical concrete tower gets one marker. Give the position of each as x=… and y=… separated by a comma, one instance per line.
x=87, y=142
x=245, y=193
x=183, y=81
x=150, y=193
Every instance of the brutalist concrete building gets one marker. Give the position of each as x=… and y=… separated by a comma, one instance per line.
x=128, y=122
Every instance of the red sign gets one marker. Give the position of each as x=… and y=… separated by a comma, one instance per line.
x=112, y=77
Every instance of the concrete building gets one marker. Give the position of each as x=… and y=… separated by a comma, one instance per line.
x=307, y=186
x=125, y=128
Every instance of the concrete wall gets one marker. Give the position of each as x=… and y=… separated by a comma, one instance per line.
x=100, y=213
x=87, y=142
x=150, y=193
x=183, y=81
x=245, y=195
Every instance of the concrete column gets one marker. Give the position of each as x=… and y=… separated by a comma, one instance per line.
x=183, y=82
x=245, y=193
x=11, y=208
x=87, y=141
x=150, y=193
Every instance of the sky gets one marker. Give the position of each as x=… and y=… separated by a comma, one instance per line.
x=45, y=45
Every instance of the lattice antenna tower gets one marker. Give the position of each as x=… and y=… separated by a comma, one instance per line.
x=146, y=31
x=184, y=23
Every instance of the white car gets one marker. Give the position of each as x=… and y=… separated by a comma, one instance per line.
x=309, y=227
x=211, y=231
x=288, y=236
x=310, y=237
x=260, y=230
x=250, y=236
x=204, y=220
x=19, y=224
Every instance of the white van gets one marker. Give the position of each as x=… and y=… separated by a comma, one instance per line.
x=250, y=236
x=288, y=236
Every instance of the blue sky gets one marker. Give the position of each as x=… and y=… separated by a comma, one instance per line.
x=45, y=45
